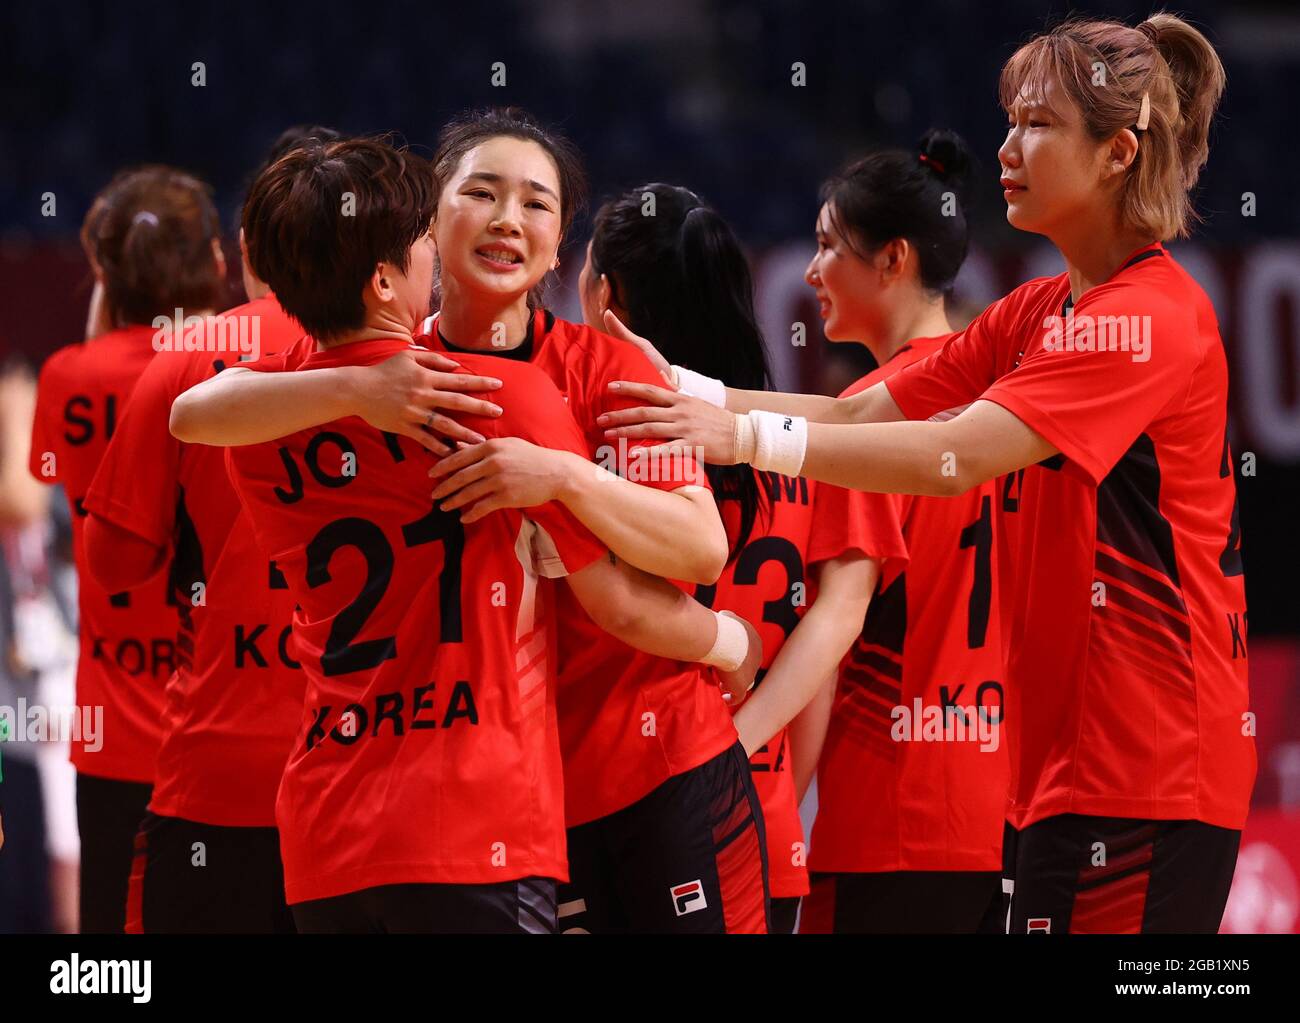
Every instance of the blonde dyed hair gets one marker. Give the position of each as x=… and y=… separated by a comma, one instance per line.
x=1104, y=68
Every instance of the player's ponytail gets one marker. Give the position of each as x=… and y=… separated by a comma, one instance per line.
x=1161, y=80
x=150, y=233
x=919, y=195
x=678, y=270
x=1199, y=80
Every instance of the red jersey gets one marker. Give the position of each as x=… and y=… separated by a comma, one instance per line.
x=628, y=721
x=1126, y=670
x=800, y=523
x=127, y=640
x=232, y=708
x=428, y=750
x=914, y=772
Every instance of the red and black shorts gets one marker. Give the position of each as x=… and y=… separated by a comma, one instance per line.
x=524, y=906
x=192, y=878
x=1075, y=874
x=688, y=858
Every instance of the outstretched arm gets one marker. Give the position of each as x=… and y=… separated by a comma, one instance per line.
x=932, y=459
x=937, y=459
x=871, y=406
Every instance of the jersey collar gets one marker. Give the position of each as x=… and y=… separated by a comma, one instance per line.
x=357, y=353
x=1135, y=257
x=542, y=323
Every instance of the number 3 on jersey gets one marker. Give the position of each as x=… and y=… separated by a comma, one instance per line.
x=781, y=611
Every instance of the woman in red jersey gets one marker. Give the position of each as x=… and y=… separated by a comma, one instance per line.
x=682, y=277
x=1101, y=394
x=643, y=736
x=152, y=239
x=908, y=834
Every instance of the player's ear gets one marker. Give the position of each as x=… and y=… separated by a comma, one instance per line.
x=892, y=258
x=381, y=284
x=1121, y=151
x=219, y=255
x=604, y=295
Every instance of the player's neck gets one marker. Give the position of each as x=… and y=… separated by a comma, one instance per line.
x=1093, y=256
x=925, y=318
x=378, y=326
x=483, y=324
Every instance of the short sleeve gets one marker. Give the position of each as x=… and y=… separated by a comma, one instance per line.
x=1091, y=400
x=533, y=410
x=143, y=503
x=849, y=520
x=665, y=472
x=49, y=396
x=958, y=373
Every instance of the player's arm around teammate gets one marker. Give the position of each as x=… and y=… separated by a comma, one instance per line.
x=488, y=200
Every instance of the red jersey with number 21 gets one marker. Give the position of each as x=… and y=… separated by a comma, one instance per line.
x=629, y=721
x=428, y=751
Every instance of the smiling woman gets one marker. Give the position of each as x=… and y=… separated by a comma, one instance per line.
x=501, y=167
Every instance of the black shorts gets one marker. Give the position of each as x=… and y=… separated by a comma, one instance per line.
x=109, y=813
x=688, y=858
x=902, y=902
x=526, y=906
x=785, y=914
x=1116, y=875
x=191, y=878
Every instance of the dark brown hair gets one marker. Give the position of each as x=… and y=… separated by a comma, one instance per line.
x=321, y=218
x=1105, y=68
x=150, y=232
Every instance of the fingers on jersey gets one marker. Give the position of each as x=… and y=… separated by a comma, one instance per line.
x=436, y=360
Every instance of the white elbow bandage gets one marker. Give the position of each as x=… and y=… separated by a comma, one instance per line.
x=772, y=441
x=731, y=645
x=697, y=385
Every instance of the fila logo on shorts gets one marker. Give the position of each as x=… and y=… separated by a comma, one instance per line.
x=1039, y=925
x=689, y=897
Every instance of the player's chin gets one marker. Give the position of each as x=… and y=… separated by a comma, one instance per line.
x=1021, y=218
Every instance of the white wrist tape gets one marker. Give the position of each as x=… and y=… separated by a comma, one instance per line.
x=697, y=385
x=731, y=645
x=772, y=441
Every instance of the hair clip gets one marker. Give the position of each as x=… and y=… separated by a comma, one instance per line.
x=1144, y=112
x=145, y=217
x=932, y=162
